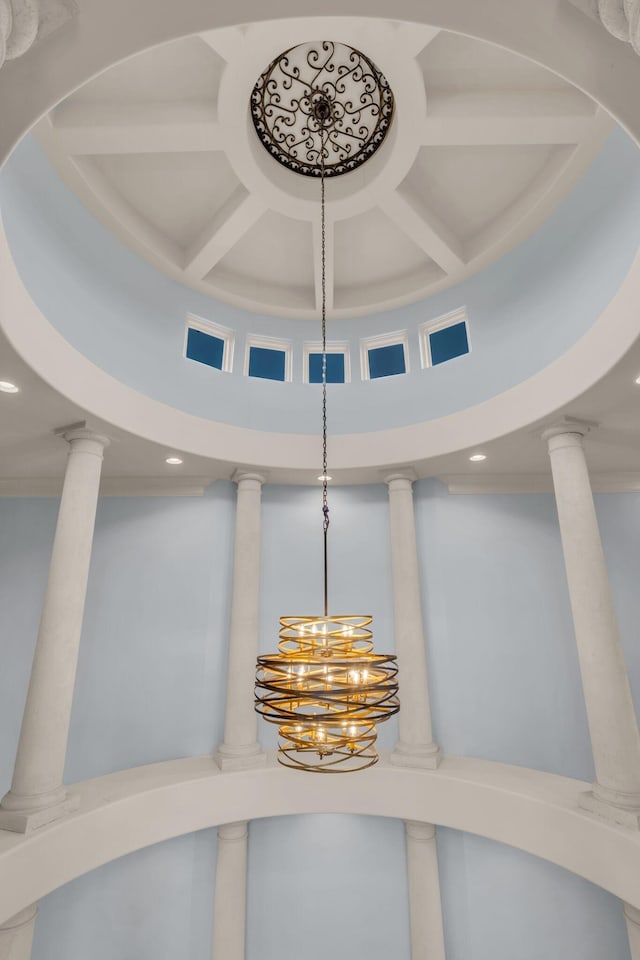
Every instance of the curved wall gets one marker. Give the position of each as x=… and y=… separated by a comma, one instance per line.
x=524, y=311
x=503, y=666
x=504, y=684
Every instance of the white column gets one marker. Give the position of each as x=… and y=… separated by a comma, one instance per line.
x=415, y=747
x=632, y=917
x=610, y=712
x=16, y=935
x=425, y=909
x=37, y=794
x=229, y=911
x=240, y=748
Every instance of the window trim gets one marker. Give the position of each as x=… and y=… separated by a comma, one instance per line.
x=335, y=346
x=383, y=340
x=270, y=343
x=212, y=329
x=451, y=319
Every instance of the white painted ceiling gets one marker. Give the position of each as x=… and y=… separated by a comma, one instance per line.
x=484, y=144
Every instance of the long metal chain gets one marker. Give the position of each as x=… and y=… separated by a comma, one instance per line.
x=325, y=504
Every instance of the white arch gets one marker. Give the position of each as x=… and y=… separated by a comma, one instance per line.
x=126, y=811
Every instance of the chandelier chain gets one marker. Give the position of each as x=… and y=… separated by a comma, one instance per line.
x=325, y=504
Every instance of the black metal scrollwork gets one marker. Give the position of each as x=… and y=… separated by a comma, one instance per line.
x=319, y=94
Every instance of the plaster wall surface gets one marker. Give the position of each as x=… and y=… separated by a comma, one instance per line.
x=129, y=319
x=504, y=686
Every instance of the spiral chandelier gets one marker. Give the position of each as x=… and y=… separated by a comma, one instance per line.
x=322, y=110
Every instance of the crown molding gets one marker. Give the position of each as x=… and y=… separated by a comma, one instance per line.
x=25, y=487
x=620, y=482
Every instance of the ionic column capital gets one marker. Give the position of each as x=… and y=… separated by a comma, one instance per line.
x=422, y=832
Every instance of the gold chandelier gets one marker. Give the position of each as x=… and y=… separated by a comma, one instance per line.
x=326, y=689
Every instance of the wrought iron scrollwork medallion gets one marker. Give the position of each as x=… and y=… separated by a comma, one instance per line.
x=317, y=93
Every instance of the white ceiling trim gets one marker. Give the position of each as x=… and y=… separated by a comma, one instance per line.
x=33, y=487
x=614, y=482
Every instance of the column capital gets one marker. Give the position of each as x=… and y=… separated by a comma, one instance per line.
x=245, y=476
x=571, y=426
x=419, y=831
x=74, y=433
x=402, y=478
x=232, y=832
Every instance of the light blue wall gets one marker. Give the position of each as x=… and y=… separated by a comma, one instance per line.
x=525, y=310
x=327, y=886
x=502, y=658
x=156, y=904
x=504, y=685
x=501, y=904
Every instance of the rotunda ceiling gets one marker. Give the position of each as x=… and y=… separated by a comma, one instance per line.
x=482, y=146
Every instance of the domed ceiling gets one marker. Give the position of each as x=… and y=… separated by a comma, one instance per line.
x=483, y=144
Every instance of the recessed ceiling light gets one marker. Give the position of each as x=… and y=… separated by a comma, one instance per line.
x=477, y=457
x=7, y=387
x=322, y=478
x=637, y=380
x=173, y=461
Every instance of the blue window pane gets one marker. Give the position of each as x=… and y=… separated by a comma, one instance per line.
x=448, y=343
x=386, y=361
x=335, y=368
x=205, y=349
x=267, y=364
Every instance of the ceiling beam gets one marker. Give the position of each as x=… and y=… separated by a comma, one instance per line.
x=329, y=264
x=241, y=211
x=425, y=229
x=107, y=128
x=487, y=119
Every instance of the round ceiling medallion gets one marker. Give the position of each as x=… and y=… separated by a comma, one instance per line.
x=317, y=93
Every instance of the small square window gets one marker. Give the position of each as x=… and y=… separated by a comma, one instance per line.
x=335, y=368
x=205, y=348
x=207, y=342
x=266, y=363
x=444, y=338
x=448, y=343
x=386, y=361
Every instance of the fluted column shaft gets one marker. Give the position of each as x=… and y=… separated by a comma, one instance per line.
x=229, y=912
x=240, y=747
x=610, y=711
x=425, y=908
x=415, y=746
x=37, y=784
x=16, y=935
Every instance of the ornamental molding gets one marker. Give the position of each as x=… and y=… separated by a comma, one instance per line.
x=25, y=22
x=322, y=108
x=620, y=17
